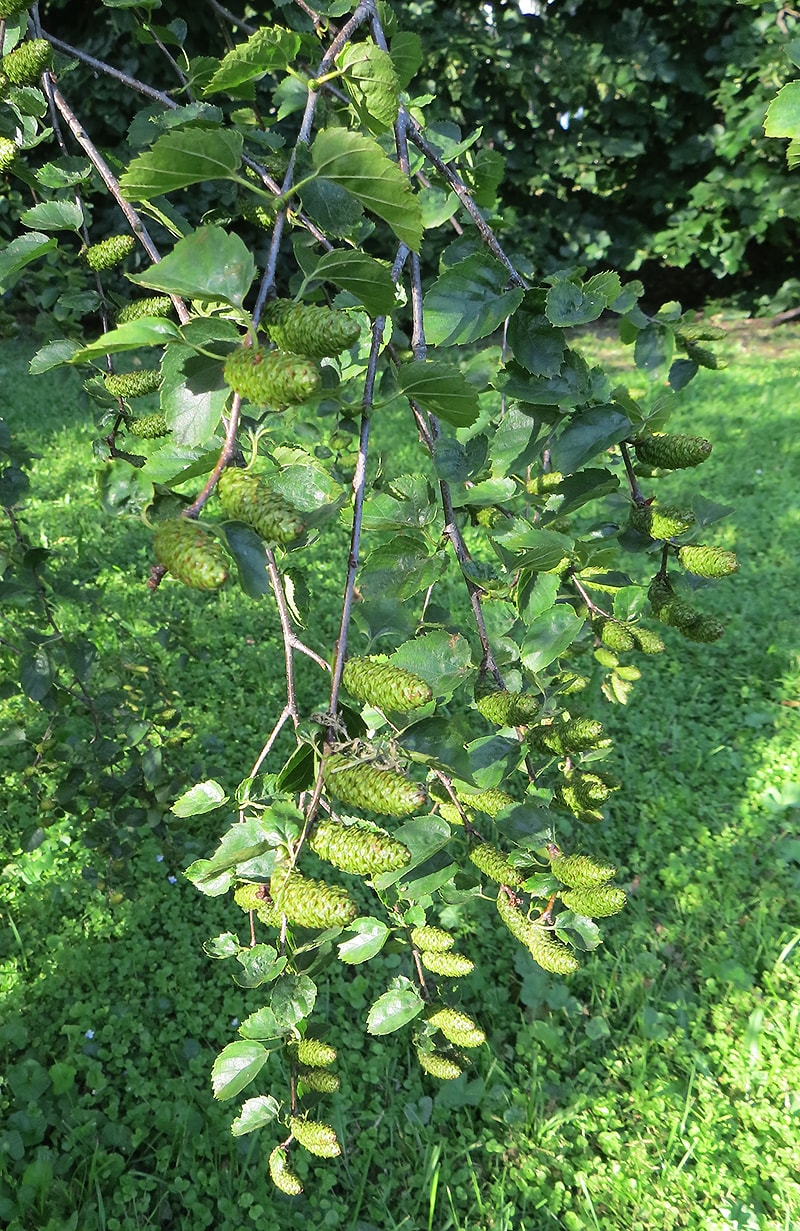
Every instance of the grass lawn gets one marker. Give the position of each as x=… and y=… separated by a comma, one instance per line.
x=657, y=1089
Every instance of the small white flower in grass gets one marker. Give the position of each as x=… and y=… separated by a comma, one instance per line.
x=88, y=1034
x=159, y=858
x=173, y=880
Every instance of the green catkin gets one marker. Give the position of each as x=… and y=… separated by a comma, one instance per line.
x=672, y=452
x=494, y=864
x=580, y=871
x=316, y=1137
x=10, y=8
x=8, y=154
x=311, y=903
x=503, y=708
x=492, y=801
x=647, y=641
x=450, y=813
x=363, y=785
x=251, y=897
x=431, y=939
x=616, y=634
x=148, y=427
x=566, y=796
x=358, y=849
x=661, y=523
x=544, y=484
x=703, y=357
x=456, y=1027
x=708, y=561
x=678, y=614
x=387, y=687
x=282, y=1175
x=573, y=736
x=313, y=1053
x=25, y=65
x=154, y=305
x=309, y=330
x=545, y=950
x=449, y=965
x=249, y=498
x=271, y=378
x=596, y=902
x=190, y=553
x=320, y=1080
x=109, y=252
x=133, y=384
x=444, y=1068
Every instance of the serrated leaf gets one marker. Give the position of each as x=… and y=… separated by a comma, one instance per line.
x=365, y=277
x=441, y=389
x=365, y=937
x=255, y=1113
x=371, y=82
x=146, y=331
x=260, y=964
x=568, y=305
x=263, y=1024
x=192, y=395
x=52, y=355
x=207, y=265
x=36, y=675
x=468, y=301
x=406, y=52
x=235, y=1067
x=393, y=1010
x=250, y=553
x=549, y=635
x=64, y=172
x=331, y=206
x=178, y=159
x=54, y=216
x=270, y=48
x=293, y=999
x=783, y=113
x=536, y=343
x=204, y=797
x=358, y=164
x=587, y=434
x=442, y=659
x=21, y=252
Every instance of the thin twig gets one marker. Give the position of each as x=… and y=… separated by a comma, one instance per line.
x=226, y=453
x=633, y=482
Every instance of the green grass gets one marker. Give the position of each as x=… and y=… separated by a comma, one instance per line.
x=658, y=1089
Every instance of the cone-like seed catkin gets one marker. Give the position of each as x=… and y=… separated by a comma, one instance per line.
x=597, y=902
x=25, y=65
x=457, y=1027
x=616, y=634
x=445, y=1068
x=380, y=684
x=575, y=735
x=271, y=378
x=311, y=903
x=8, y=153
x=672, y=452
x=248, y=498
x=313, y=1053
x=363, y=785
x=434, y=940
x=318, y=1138
x=358, y=848
x=661, y=523
x=544, y=484
x=306, y=329
x=250, y=897
x=190, y=553
x=10, y=8
x=673, y=611
x=282, y=1175
x=450, y=965
x=491, y=801
x=154, y=305
x=503, y=708
x=148, y=427
x=450, y=813
x=109, y=252
x=545, y=950
x=494, y=864
x=648, y=641
x=566, y=796
x=580, y=871
x=320, y=1080
x=133, y=384
x=708, y=561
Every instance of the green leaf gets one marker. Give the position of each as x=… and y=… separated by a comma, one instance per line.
x=365, y=277
x=406, y=52
x=549, y=635
x=54, y=216
x=441, y=389
x=263, y=1024
x=484, y=495
x=450, y=459
x=223, y=946
x=536, y=344
x=568, y=305
x=235, y=1067
x=293, y=999
x=368, y=938
x=587, y=434
x=255, y=1113
x=468, y=301
x=178, y=159
x=207, y=265
x=193, y=394
x=371, y=82
x=260, y=964
x=146, y=331
x=358, y=164
x=52, y=355
x=394, y=1009
x=335, y=211
x=250, y=553
x=36, y=675
x=525, y=546
x=579, y=927
x=654, y=348
x=64, y=172
x=21, y=252
x=270, y=48
x=442, y=659
x=402, y=568
x=204, y=797
x=536, y=594
x=783, y=113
